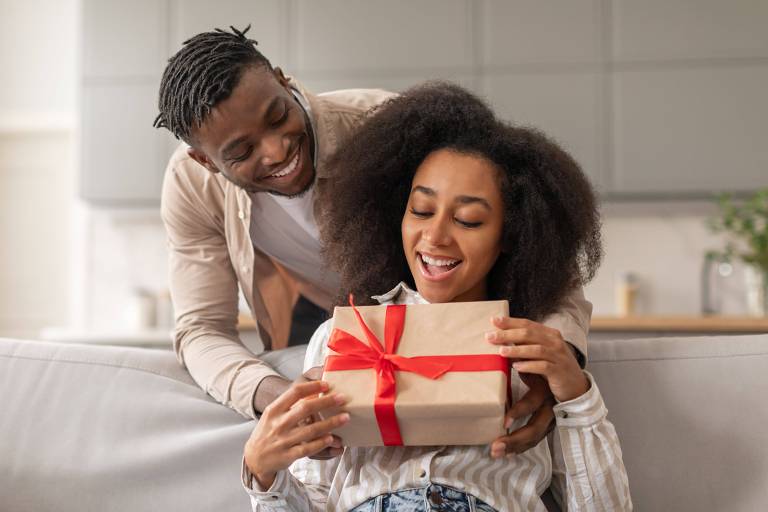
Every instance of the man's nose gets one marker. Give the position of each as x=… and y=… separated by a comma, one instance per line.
x=274, y=150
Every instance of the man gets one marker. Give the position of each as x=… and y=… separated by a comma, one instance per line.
x=238, y=206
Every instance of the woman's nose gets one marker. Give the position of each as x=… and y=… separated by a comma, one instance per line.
x=437, y=232
x=274, y=150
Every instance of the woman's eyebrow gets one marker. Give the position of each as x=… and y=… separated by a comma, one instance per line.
x=459, y=199
x=473, y=200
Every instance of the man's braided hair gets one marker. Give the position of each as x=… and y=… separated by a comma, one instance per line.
x=200, y=75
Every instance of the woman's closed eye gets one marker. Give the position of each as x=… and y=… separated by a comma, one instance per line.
x=467, y=224
x=424, y=214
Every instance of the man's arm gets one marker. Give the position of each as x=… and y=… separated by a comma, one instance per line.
x=572, y=320
x=205, y=297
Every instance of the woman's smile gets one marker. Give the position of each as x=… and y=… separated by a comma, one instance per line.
x=435, y=268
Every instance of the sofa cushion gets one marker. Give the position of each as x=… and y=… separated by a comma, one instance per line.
x=691, y=415
x=108, y=428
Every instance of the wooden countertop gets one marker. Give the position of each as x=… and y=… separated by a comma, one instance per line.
x=680, y=323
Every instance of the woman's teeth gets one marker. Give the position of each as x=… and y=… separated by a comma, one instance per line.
x=289, y=168
x=436, y=262
x=437, y=266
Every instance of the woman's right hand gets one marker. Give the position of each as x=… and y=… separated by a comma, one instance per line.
x=287, y=432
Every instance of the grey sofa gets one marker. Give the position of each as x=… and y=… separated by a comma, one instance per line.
x=117, y=429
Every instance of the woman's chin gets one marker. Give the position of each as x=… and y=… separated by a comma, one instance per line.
x=434, y=295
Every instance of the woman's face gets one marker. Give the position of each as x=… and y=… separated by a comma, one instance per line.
x=452, y=226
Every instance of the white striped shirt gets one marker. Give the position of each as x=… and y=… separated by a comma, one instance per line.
x=581, y=460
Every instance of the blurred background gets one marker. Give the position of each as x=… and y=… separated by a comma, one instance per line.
x=663, y=103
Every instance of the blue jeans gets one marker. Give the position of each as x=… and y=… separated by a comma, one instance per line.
x=434, y=497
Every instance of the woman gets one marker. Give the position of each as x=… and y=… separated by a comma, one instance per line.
x=441, y=201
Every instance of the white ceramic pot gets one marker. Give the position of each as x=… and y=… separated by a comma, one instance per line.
x=756, y=284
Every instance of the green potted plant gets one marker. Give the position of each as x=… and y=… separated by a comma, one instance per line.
x=745, y=225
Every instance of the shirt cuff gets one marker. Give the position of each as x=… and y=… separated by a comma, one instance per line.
x=272, y=497
x=584, y=411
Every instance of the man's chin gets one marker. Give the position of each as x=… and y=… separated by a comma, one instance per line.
x=303, y=186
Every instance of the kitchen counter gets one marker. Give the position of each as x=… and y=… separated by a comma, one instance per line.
x=680, y=323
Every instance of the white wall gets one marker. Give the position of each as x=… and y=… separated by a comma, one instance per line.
x=37, y=109
x=664, y=245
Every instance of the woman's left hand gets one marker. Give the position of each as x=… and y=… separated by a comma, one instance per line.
x=537, y=349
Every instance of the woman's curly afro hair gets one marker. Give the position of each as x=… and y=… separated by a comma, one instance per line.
x=551, y=231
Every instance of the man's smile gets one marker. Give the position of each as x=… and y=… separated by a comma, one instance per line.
x=288, y=168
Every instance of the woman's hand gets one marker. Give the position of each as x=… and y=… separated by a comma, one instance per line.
x=287, y=431
x=538, y=349
x=538, y=353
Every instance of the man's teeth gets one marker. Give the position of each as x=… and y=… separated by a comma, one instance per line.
x=288, y=169
x=436, y=262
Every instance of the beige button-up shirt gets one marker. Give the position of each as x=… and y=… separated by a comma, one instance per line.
x=207, y=220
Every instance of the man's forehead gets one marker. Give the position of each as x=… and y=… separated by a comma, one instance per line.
x=256, y=94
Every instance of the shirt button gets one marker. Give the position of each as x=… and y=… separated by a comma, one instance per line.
x=240, y=215
x=564, y=414
x=422, y=473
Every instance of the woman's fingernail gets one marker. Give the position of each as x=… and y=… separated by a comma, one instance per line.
x=340, y=399
x=490, y=336
x=344, y=417
x=508, y=423
x=505, y=351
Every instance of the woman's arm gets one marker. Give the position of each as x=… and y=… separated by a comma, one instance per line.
x=589, y=475
x=548, y=366
x=587, y=468
x=303, y=488
x=283, y=437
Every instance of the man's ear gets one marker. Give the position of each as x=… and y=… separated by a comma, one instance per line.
x=280, y=76
x=201, y=158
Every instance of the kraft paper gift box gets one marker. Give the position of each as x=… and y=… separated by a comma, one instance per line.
x=461, y=402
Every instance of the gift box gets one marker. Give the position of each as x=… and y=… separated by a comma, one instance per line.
x=418, y=375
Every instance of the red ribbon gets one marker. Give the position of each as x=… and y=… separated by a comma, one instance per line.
x=353, y=354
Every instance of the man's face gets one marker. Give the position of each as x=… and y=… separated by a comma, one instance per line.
x=258, y=138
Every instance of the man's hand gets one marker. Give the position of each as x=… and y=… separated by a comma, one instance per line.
x=286, y=432
x=538, y=401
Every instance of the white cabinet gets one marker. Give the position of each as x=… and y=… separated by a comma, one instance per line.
x=654, y=99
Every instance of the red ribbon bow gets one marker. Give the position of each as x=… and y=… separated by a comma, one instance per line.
x=353, y=354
